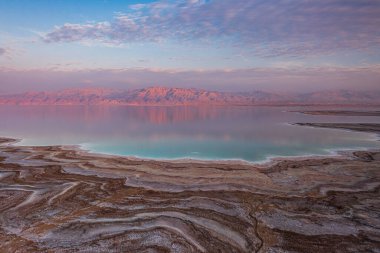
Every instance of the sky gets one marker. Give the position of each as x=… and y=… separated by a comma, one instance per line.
x=231, y=45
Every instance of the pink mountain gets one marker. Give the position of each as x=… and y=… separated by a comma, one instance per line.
x=181, y=96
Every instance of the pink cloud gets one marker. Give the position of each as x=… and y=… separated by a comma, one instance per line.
x=265, y=28
x=3, y=51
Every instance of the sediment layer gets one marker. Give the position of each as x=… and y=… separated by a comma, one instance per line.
x=58, y=199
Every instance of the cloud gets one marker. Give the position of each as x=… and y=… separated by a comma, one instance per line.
x=268, y=28
x=3, y=51
x=6, y=53
x=280, y=79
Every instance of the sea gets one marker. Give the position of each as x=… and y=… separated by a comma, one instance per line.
x=246, y=133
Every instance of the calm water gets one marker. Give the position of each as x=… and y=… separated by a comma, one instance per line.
x=248, y=133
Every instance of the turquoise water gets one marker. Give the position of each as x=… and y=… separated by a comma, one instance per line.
x=221, y=133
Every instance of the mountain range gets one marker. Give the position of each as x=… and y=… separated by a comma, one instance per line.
x=182, y=96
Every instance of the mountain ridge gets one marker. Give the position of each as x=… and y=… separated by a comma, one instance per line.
x=158, y=95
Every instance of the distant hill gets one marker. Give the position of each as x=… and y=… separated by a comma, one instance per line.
x=182, y=96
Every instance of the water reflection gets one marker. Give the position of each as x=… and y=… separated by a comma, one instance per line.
x=250, y=133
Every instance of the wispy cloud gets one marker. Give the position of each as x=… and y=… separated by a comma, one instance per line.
x=6, y=53
x=2, y=51
x=265, y=28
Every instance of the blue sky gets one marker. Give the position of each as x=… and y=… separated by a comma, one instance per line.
x=294, y=39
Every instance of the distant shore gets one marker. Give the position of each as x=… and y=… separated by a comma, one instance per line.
x=343, y=113
x=358, y=127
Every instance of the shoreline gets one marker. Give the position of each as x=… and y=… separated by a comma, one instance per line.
x=65, y=199
x=271, y=159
